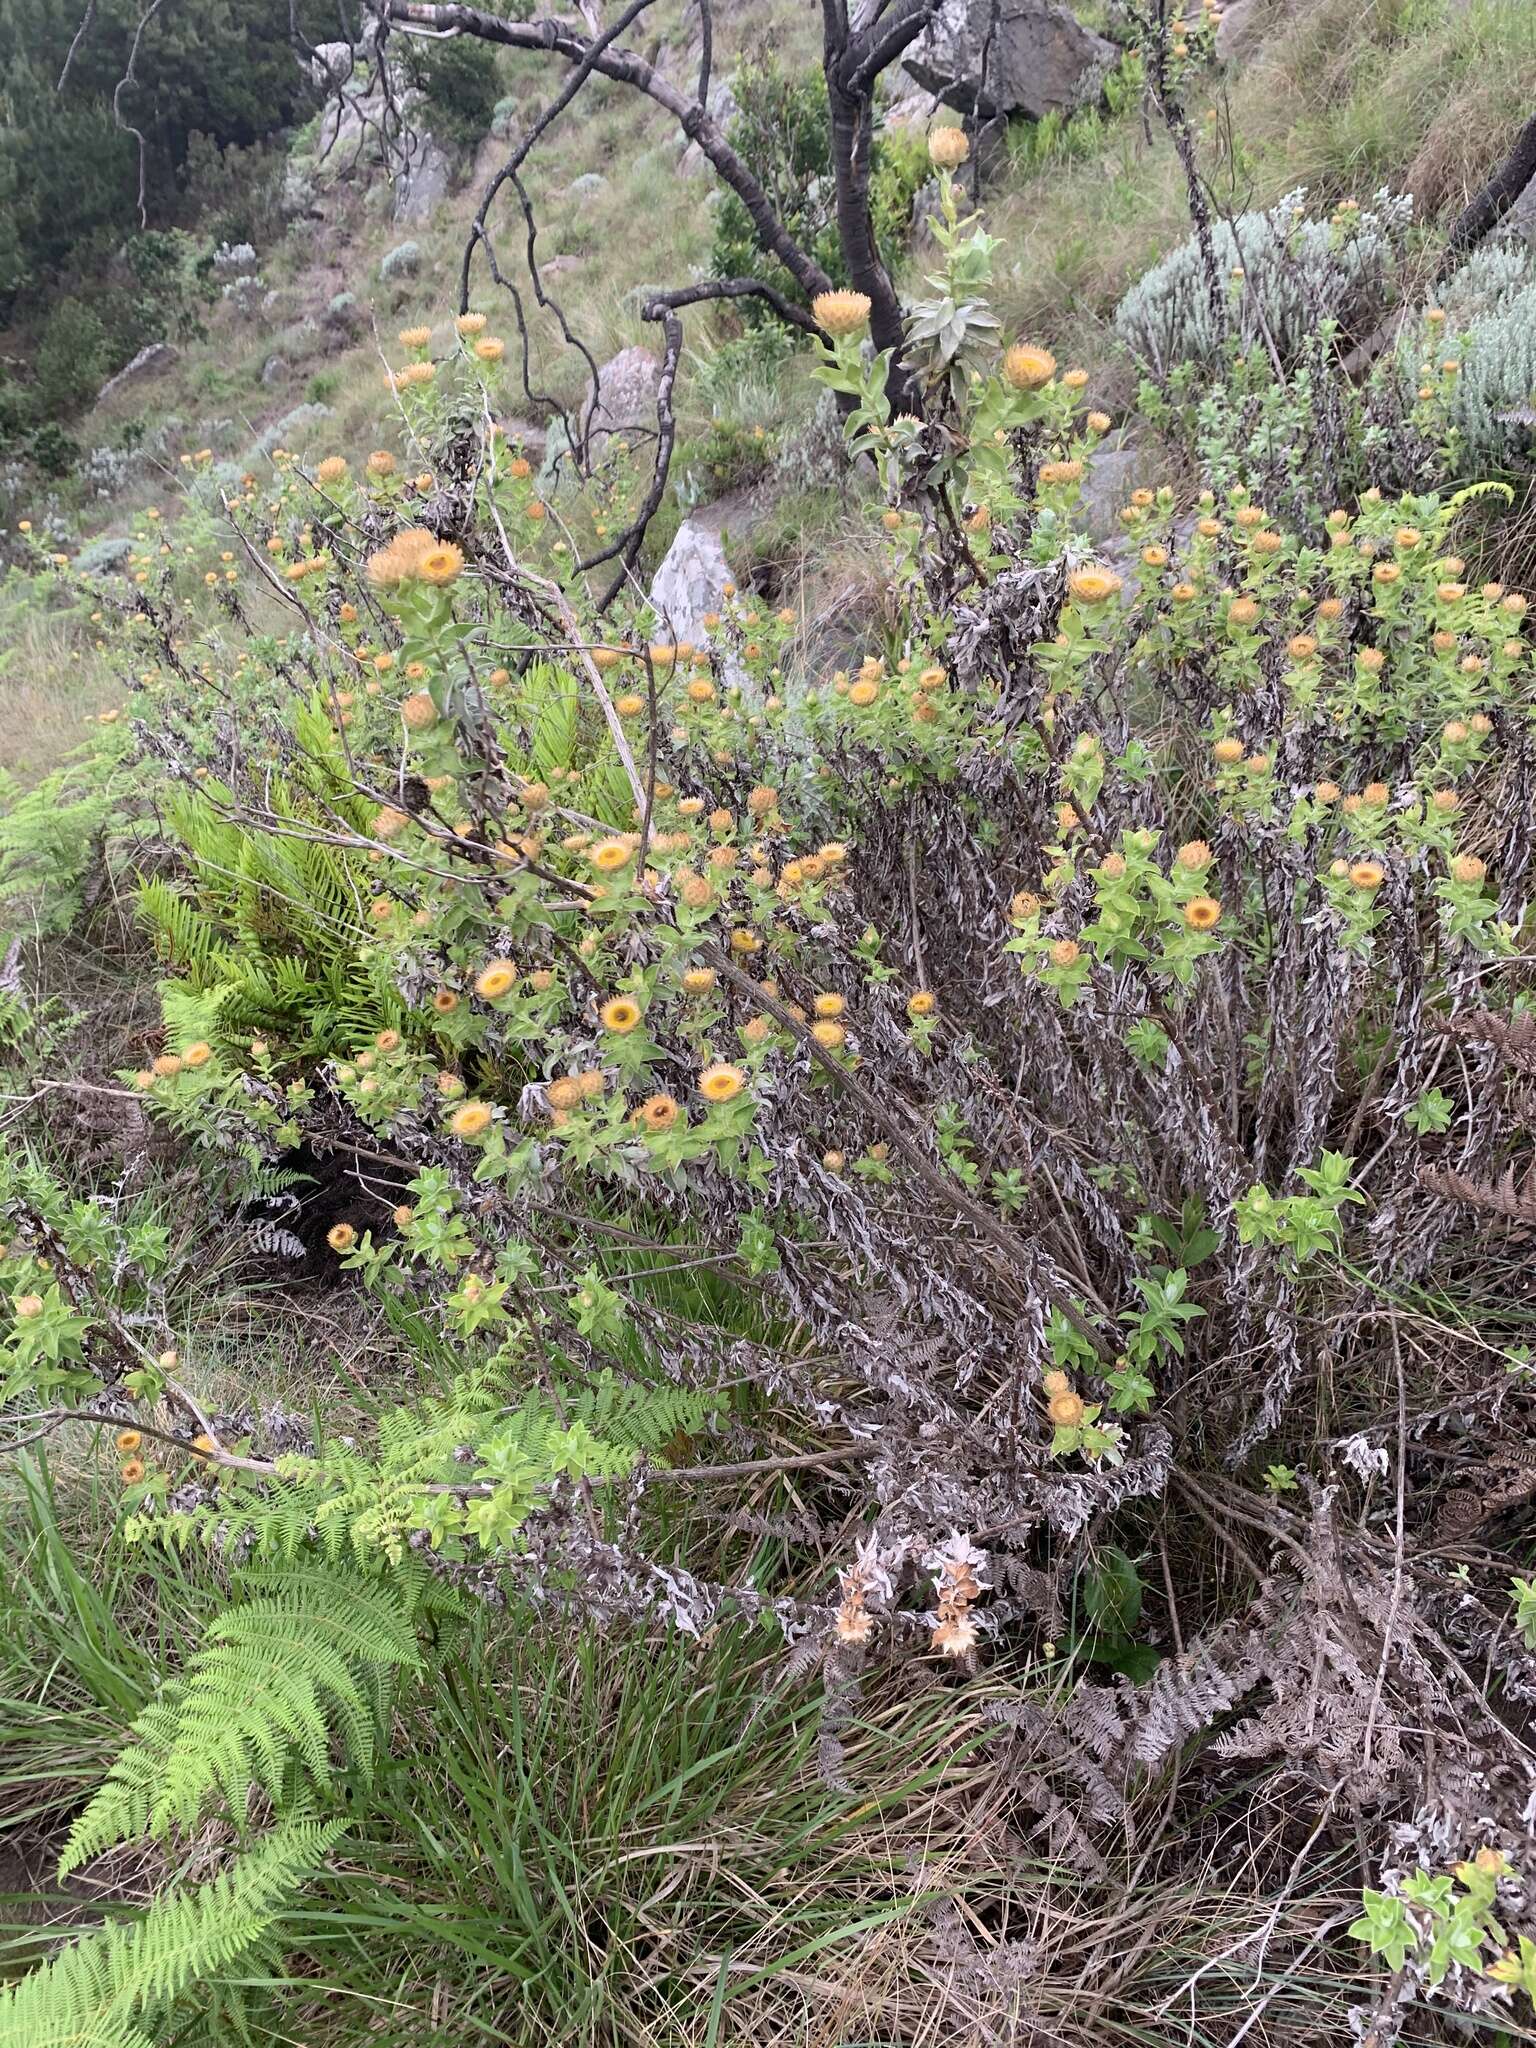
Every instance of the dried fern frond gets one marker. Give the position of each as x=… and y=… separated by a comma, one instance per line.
x=1511, y=1196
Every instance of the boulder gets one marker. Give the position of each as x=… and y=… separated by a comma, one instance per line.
x=1041, y=59
x=421, y=184
x=274, y=370
x=1520, y=220
x=690, y=581
x=623, y=397
x=1243, y=26
x=1113, y=473
x=159, y=355
x=722, y=109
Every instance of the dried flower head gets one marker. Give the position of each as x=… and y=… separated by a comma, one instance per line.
x=948, y=148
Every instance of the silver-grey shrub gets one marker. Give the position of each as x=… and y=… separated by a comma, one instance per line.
x=1296, y=272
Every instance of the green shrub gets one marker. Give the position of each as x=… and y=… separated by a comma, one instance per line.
x=460, y=83
x=781, y=132
x=71, y=359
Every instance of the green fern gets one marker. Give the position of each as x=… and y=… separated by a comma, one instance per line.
x=357, y=1503
x=114, y=1987
x=307, y=1656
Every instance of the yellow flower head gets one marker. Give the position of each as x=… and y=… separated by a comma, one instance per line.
x=721, y=1082
x=127, y=1440
x=863, y=693
x=490, y=348
x=620, y=1014
x=341, y=1237
x=698, y=981
x=609, y=855
x=470, y=1120
x=829, y=1034
x=470, y=324
x=1027, y=368
x=1065, y=1409
x=331, y=470
x=948, y=148
x=1367, y=876
x=1194, y=854
x=923, y=1004
x=380, y=463
x=419, y=711
x=495, y=980
x=441, y=564
x=829, y=1005
x=1092, y=585
x=1466, y=867
x=840, y=313
x=415, y=337
x=133, y=1471
x=1201, y=912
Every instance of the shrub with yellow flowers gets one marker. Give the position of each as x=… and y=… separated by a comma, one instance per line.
x=1069, y=1024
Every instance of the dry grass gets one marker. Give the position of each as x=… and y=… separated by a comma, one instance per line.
x=53, y=684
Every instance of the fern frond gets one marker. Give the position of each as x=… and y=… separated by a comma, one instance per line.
x=97, y=1992
x=304, y=1658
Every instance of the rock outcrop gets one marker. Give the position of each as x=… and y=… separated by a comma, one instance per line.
x=1040, y=59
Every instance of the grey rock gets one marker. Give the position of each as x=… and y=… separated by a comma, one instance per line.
x=1041, y=61
x=723, y=110
x=526, y=437
x=1520, y=220
x=1112, y=475
x=332, y=65
x=1244, y=25
x=913, y=108
x=274, y=370
x=404, y=260
x=694, y=572
x=421, y=185
x=158, y=355
x=623, y=398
